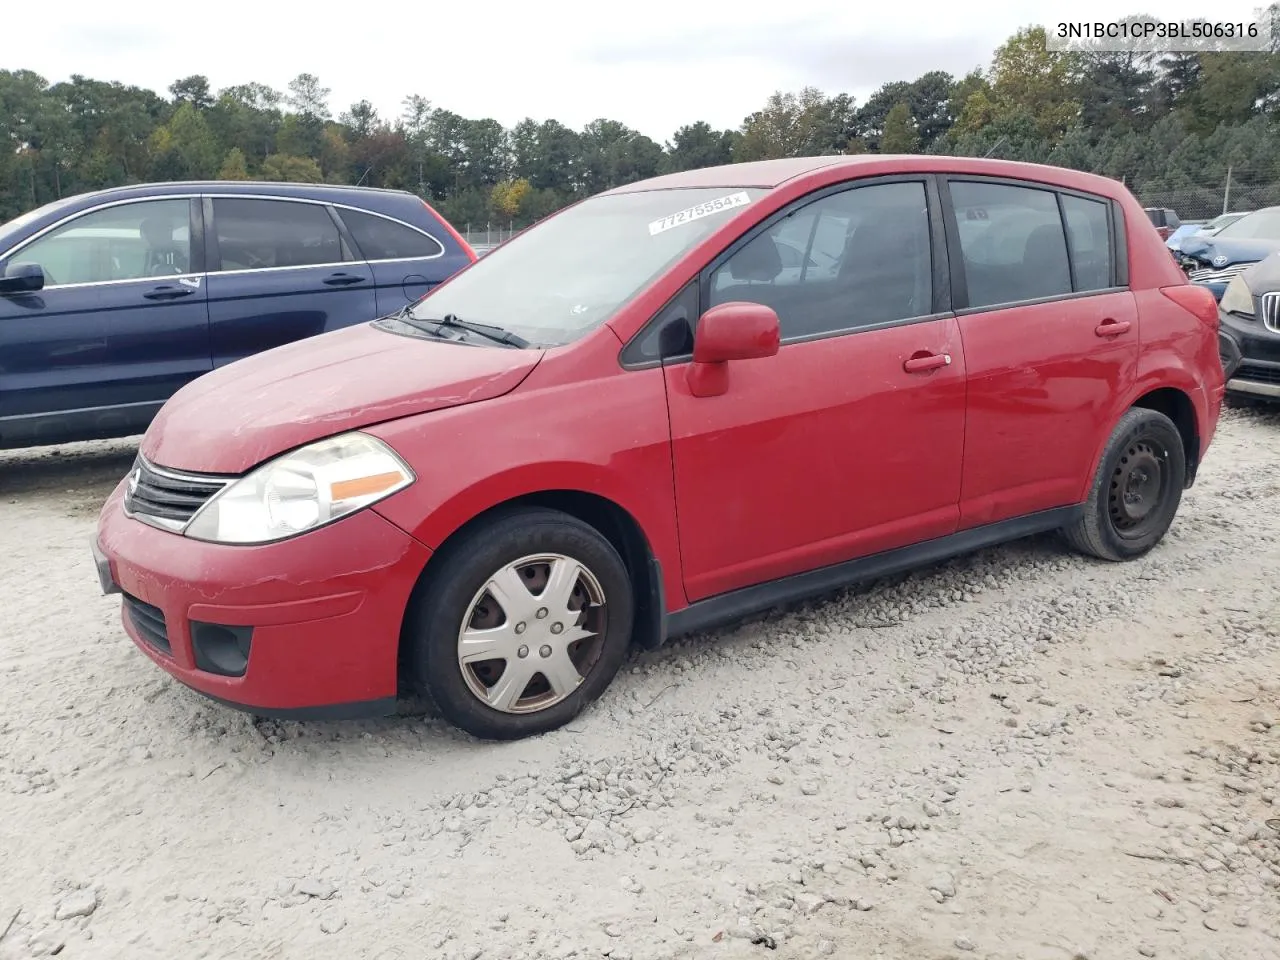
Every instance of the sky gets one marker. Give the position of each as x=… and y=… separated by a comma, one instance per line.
x=654, y=65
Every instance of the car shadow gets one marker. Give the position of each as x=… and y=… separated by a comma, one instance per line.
x=1254, y=409
x=79, y=475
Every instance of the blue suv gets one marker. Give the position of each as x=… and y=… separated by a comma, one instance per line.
x=111, y=301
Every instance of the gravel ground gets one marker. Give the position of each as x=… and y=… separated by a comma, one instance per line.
x=1020, y=754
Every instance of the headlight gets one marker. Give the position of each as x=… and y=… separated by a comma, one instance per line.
x=302, y=490
x=1238, y=298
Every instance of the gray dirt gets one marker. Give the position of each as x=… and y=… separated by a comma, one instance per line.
x=1019, y=754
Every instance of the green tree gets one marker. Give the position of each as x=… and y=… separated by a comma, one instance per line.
x=698, y=145
x=1027, y=77
x=308, y=97
x=234, y=167
x=185, y=148
x=193, y=90
x=796, y=125
x=283, y=168
x=900, y=134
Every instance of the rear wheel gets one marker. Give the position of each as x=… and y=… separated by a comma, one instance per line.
x=525, y=621
x=1136, y=491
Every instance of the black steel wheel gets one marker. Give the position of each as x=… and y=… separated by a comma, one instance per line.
x=1136, y=491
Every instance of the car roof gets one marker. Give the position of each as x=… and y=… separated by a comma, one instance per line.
x=771, y=174
x=278, y=188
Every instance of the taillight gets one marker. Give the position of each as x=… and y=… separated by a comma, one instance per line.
x=458, y=238
x=1195, y=299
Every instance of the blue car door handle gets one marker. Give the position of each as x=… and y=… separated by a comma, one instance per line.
x=167, y=292
x=342, y=279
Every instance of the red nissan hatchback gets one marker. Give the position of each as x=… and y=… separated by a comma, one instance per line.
x=672, y=404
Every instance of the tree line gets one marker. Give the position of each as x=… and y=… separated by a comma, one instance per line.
x=1166, y=124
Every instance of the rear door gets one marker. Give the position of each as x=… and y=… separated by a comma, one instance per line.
x=120, y=326
x=1050, y=339
x=406, y=261
x=279, y=271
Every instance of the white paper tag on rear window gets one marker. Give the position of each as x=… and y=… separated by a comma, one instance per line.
x=689, y=214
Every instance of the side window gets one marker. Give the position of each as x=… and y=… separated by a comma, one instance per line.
x=131, y=241
x=255, y=234
x=381, y=239
x=851, y=259
x=671, y=332
x=1090, y=234
x=1020, y=251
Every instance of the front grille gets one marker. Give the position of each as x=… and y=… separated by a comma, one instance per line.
x=1258, y=373
x=1218, y=276
x=168, y=498
x=1271, y=311
x=149, y=622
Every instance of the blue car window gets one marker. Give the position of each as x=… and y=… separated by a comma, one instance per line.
x=129, y=241
x=381, y=239
x=257, y=234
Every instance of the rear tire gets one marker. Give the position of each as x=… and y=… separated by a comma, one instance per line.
x=1136, y=492
x=525, y=620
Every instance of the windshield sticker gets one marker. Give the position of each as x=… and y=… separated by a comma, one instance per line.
x=699, y=211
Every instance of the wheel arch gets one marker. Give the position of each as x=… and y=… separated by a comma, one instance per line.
x=614, y=523
x=1176, y=402
x=1177, y=405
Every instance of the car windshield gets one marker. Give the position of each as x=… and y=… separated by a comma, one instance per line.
x=570, y=273
x=1263, y=225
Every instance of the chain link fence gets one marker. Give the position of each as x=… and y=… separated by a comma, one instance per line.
x=1236, y=192
x=488, y=235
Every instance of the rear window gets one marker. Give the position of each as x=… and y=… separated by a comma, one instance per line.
x=382, y=239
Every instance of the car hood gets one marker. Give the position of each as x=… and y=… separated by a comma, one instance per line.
x=1264, y=276
x=237, y=416
x=1219, y=252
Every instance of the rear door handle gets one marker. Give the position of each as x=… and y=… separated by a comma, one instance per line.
x=928, y=362
x=167, y=292
x=342, y=280
x=1111, y=328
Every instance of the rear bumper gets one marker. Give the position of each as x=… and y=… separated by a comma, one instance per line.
x=308, y=627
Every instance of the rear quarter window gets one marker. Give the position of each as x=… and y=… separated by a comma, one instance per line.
x=381, y=239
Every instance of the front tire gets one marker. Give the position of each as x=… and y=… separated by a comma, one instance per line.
x=1137, y=490
x=524, y=622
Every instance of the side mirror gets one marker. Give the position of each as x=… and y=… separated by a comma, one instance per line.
x=22, y=278
x=730, y=331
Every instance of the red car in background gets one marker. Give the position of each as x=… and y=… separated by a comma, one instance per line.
x=670, y=405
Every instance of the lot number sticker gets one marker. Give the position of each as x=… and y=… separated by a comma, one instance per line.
x=690, y=214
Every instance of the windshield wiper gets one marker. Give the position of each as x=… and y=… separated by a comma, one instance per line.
x=489, y=331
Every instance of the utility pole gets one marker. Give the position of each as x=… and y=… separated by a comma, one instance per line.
x=1226, y=194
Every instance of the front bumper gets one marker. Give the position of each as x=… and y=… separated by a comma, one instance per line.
x=308, y=627
x=1250, y=356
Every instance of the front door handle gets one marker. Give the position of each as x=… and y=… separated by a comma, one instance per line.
x=1111, y=328
x=166, y=292
x=930, y=361
x=342, y=280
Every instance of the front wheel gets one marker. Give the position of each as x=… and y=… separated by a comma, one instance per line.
x=525, y=621
x=1136, y=491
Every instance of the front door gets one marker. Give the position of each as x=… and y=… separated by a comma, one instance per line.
x=279, y=272
x=120, y=326
x=1050, y=341
x=848, y=441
